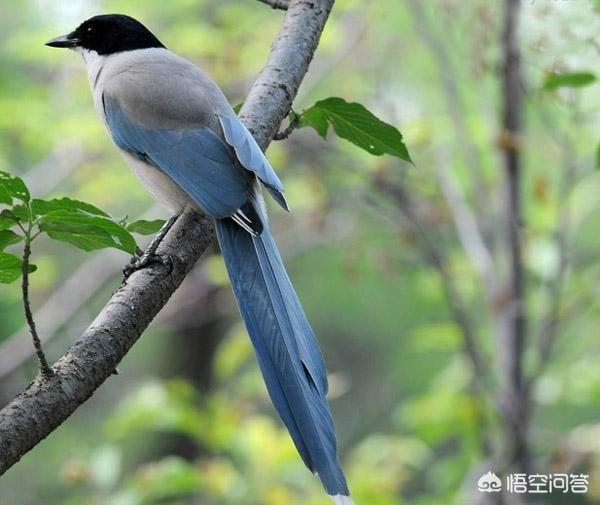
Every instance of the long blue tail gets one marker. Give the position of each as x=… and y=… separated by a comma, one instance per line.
x=286, y=348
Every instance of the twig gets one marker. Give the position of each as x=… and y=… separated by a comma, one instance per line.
x=550, y=320
x=45, y=404
x=45, y=369
x=435, y=256
x=512, y=317
x=285, y=133
x=468, y=231
x=277, y=4
x=62, y=304
x=456, y=108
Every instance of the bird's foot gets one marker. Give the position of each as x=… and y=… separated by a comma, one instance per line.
x=143, y=259
x=146, y=259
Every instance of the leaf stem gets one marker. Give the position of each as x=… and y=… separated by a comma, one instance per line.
x=284, y=134
x=17, y=221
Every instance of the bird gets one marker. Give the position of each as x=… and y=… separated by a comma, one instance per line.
x=178, y=133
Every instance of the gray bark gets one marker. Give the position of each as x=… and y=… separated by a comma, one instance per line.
x=48, y=401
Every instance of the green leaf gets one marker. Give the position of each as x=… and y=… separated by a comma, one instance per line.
x=5, y=196
x=12, y=187
x=144, y=227
x=316, y=118
x=8, y=237
x=86, y=231
x=6, y=221
x=598, y=156
x=353, y=122
x=568, y=80
x=42, y=207
x=18, y=212
x=11, y=267
x=237, y=108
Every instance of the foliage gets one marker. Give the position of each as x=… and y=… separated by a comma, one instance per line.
x=353, y=122
x=568, y=80
x=77, y=223
x=145, y=227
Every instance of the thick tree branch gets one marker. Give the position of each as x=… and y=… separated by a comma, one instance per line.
x=47, y=402
x=71, y=296
x=270, y=98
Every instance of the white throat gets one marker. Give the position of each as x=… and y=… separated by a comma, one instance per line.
x=94, y=63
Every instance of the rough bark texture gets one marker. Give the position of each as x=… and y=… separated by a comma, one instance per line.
x=47, y=402
x=271, y=96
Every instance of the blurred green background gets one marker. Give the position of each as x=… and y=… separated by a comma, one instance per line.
x=188, y=420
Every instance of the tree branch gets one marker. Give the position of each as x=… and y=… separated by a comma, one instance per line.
x=61, y=305
x=514, y=401
x=270, y=98
x=37, y=345
x=277, y=4
x=47, y=402
x=455, y=105
x=74, y=293
x=435, y=256
x=467, y=229
x=287, y=131
x=553, y=315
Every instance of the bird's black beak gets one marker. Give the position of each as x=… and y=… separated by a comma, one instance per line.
x=69, y=41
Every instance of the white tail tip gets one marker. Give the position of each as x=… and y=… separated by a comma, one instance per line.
x=340, y=499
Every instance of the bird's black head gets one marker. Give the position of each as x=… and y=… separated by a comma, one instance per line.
x=108, y=34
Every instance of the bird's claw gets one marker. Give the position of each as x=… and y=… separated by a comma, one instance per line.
x=138, y=262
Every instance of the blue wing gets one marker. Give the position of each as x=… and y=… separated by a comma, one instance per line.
x=196, y=159
x=251, y=156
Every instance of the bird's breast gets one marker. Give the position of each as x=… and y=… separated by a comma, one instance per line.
x=160, y=186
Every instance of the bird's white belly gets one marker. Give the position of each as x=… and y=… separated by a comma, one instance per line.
x=159, y=185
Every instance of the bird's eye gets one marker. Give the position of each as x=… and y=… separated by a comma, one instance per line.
x=90, y=29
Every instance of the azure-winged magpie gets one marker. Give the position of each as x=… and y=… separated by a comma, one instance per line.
x=178, y=133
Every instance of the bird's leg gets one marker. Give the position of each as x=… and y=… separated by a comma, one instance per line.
x=149, y=255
